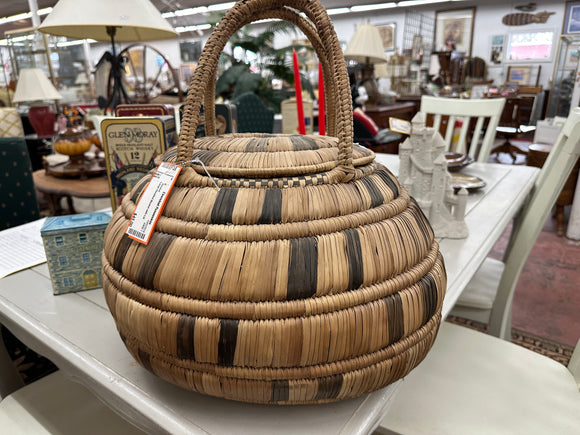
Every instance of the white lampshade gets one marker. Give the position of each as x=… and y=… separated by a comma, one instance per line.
x=366, y=46
x=34, y=85
x=133, y=20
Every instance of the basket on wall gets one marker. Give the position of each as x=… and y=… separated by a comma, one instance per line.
x=308, y=276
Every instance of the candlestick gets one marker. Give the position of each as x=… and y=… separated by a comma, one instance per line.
x=298, y=88
x=321, y=108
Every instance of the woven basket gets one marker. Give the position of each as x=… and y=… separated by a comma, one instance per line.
x=309, y=276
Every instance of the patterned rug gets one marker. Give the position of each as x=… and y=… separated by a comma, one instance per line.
x=552, y=349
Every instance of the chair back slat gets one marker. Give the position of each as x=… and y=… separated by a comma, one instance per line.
x=484, y=109
x=532, y=217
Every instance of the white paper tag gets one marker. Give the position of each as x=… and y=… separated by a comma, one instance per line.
x=152, y=202
x=400, y=125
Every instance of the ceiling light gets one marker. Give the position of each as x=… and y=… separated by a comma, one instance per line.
x=24, y=16
x=419, y=2
x=220, y=7
x=337, y=11
x=199, y=27
x=363, y=8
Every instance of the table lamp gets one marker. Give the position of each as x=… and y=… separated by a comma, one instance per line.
x=35, y=87
x=108, y=20
x=366, y=48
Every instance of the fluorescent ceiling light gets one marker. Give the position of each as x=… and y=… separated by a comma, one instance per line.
x=75, y=42
x=337, y=11
x=363, y=8
x=419, y=2
x=184, y=29
x=221, y=6
x=24, y=16
x=185, y=12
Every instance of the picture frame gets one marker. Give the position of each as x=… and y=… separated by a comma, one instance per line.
x=496, y=49
x=572, y=57
x=571, y=24
x=520, y=74
x=454, y=30
x=388, y=34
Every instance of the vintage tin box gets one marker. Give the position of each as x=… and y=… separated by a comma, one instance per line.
x=73, y=246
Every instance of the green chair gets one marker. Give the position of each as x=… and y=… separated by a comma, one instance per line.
x=18, y=203
x=253, y=115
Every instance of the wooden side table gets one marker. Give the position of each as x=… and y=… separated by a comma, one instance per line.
x=537, y=155
x=55, y=188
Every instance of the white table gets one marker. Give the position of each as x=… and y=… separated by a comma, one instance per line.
x=76, y=331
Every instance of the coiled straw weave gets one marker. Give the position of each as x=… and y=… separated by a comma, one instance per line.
x=309, y=276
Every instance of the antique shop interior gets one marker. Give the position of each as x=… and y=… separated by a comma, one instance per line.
x=378, y=231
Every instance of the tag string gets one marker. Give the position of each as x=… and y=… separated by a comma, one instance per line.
x=196, y=160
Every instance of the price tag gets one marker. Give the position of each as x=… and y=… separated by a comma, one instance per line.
x=400, y=125
x=152, y=202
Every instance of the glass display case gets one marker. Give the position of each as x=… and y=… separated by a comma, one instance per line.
x=565, y=93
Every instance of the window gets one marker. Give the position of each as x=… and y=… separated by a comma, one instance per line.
x=83, y=237
x=86, y=257
x=62, y=260
x=68, y=282
x=533, y=46
x=59, y=241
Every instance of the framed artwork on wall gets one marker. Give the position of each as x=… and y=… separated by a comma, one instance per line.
x=388, y=34
x=496, y=49
x=454, y=30
x=519, y=74
x=571, y=18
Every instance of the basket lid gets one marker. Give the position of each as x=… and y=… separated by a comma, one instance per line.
x=269, y=155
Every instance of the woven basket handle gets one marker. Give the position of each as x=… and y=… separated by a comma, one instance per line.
x=308, y=29
x=245, y=11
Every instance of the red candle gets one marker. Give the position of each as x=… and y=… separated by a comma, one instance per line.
x=298, y=87
x=321, y=114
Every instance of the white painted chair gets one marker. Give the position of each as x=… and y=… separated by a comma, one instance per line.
x=473, y=383
x=53, y=405
x=482, y=110
x=488, y=296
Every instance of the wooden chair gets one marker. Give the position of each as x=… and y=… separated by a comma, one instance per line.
x=478, y=110
x=488, y=296
x=474, y=383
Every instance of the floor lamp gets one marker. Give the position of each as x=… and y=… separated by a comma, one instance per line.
x=366, y=48
x=108, y=20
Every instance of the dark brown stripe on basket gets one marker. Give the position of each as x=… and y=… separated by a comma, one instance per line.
x=280, y=390
x=206, y=156
x=355, y=260
x=185, y=331
x=329, y=387
x=138, y=189
x=145, y=359
x=376, y=195
x=394, y=317
x=303, y=143
x=303, y=268
x=224, y=206
x=389, y=182
x=152, y=258
x=228, y=341
x=272, y=207
x=257, y=144
x=429, y=292
x=121, y=252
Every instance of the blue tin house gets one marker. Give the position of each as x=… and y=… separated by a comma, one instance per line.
x=73, y=246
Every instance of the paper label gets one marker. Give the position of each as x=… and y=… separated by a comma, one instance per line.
x=399, y=125
x=152, y=202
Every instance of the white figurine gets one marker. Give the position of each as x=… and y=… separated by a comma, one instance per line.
x=423, y=172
